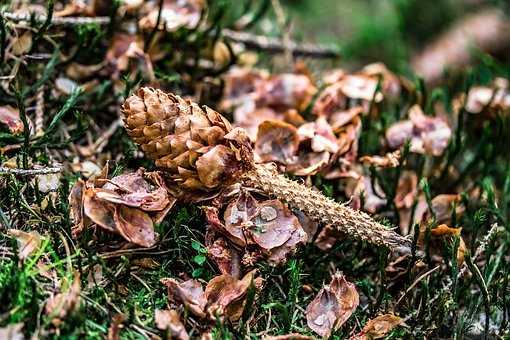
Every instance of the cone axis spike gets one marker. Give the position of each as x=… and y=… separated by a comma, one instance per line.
x=201, y=153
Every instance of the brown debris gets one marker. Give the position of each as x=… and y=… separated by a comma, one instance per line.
x=442, y=208
x=277, y=141
x=224, y=295
x=378, y=327
x=267, y=225
x=126, y=52
x=390, y=160
x=116, y=326
x=348, y=95
x=168, y=319
x=292, y=336
x=10, y=117
x=363, y=186
x=332, y=306
x=174, y=15
x=189, y=293
x=128, y=205
x=405, y=196
x=167, y=128
x=489, y=100
x=61, y=305
x=488, y=30
x=28, y=242
x=223, y=254
x=12, y=331
x=438, y=235
x=428, y=135
x=256, y=96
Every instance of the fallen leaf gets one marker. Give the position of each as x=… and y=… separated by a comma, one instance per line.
x=489, y=100
x=126, y=48
x=328, y=237
x=65, y=85
x=277, y=141
x=168, y=319
x=373, y=195
x=48, y=182
x=317, y=145
x=407, y=188
x=405, y=195
x=257, y=96
x=360, y=86
x=128, y=204
x=189, y=292
x=390, y=160
x=428, y=135
x=240, y=84
x=405, y=214
x=280, y=254
x=273, y=224
x=28, y=242
x=438, y=235
x=379, y=327
x=266, y=224
x=226, y=296
x=134, y=225
x=332, y=306
x=442, y=206
x=76, y=204
x=146, y=263
x=292, y=336
x=287, y=90
x=22, y=44
x=486, y=30
x=95, y=277
x=115, y=327
x=61, y=305
x=391, y=84
x=12, y=331
x=237, y=216
x=320, y=134
x=444, y=230
x=339, y=119
x=224, y=255
x=309, y=225
x=10, y=117
x=174, y=15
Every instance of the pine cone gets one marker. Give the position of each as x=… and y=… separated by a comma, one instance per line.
x=197, y=147
x=201, y=153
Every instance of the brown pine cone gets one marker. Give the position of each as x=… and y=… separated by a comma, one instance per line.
x=197, y=147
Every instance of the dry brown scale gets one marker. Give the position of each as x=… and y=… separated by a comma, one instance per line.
x=202, y=154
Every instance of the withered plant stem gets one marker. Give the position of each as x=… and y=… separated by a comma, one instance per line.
x=324, y=210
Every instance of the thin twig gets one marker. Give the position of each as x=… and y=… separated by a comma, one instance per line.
x=102, y=141
x=421, y=277
x=495, y=230
x=148, y=42
x=251, y=41
x=39, y=112
x=29, y=172
x=483, y=288
x=274, y=45
x=64, y=21
x=280, y=17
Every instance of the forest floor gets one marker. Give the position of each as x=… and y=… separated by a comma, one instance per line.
x=96, y=242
